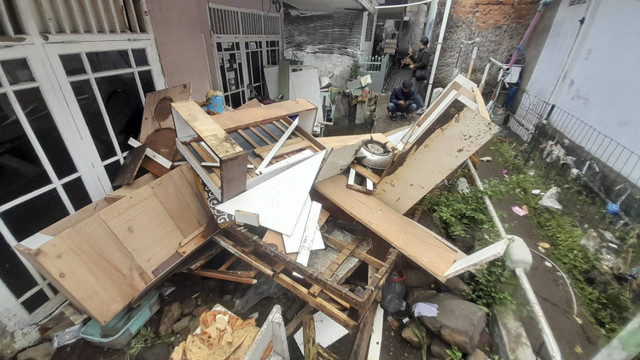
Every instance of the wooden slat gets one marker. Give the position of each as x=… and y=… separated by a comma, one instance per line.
x=223, y=275
x=241, y=119
x=129, y=169
x=289, y=146
x=248, y=138
x=356, y=252
x=415, y=241
x=366, y=172
x=266, y=129
x=264, y=138
x=210, y=132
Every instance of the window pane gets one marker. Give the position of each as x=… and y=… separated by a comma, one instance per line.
x=21, y=169
x=112, y=170
x=122, y=100
x=42, y=124
x=146, y=80
x=109, y=60
x=77, y=193
x=13, y=272
x=236, y=99
x=93, y=117
x=72, y=64
x=33, y=302
x=33, y=215
x=140, y=57
x=17, y=71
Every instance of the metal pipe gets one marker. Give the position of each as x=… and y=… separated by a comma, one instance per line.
x=543, y=3
x=625, y=345
x=404, y=5
x=445, y=17
x=547, y=335
x=487, y=202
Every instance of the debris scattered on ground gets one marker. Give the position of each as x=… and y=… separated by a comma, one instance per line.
x=486, y=159
x=591, y=240
x=520, y=211
x=550, y=199
x=67, y=336
x=43, y=351
x=425, y=309
x=463, y=186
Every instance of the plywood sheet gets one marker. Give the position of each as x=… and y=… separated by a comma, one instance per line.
x=144, y=227
x=94, y=268
x=157, y=110
x=305, y=85
x=424, y=247
x=440, y=154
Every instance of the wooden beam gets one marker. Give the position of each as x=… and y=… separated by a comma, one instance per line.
x=240, y=119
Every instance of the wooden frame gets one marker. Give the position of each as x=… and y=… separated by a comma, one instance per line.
x=319, y=290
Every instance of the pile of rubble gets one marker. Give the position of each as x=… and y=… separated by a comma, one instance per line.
x=250, y=193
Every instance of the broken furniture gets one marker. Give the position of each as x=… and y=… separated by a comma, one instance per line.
x=113, y=251
x=313, y=350
x=324, y=291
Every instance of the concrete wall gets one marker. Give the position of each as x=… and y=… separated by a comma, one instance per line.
x=499, y=24
x=599, y=82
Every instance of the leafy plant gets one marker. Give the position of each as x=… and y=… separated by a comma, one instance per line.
x=145, y=338
x=354, y=70
x=459, y=212
x=485, y=289
x=454, y=353
x=421, y=333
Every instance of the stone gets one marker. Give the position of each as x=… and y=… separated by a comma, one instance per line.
x=509, y=334
x=181, y=324
x=43, y=351
x=459, y=322
x=456, y=286
x=438, y=348
x=188, y=306
x=170, y=314
x=265, y=287
x=418, y=279
x=197, y=312
x=194, y=324
x=477, y=355
x=420, y=295
x=410, y=336
x=155, y=352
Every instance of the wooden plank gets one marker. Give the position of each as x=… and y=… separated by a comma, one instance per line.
x=86, y=260
x=310, y=230
x=210, y=132
x=157, y=110
x=375, y=344
x=371, y=260
x=288, y=147
x=248, y=138
x=375, y=178
x=145, y=228
x=443, y=151
x=222, y=275
x=269, y=132
x=253, y=103
x=360, y=348
x=129, y=169
x=259, y=134
x=340, y=141
x=482, y=108
x=418, y=243
x=478, y=258
x=204, y=154
x=276, y=148
x=309, y=333
x=233, y=175
x=241, y=119
x=338, y=160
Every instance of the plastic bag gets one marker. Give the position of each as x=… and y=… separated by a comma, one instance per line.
x=393, y=292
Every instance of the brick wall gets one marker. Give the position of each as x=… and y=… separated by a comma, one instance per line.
x=499, y=24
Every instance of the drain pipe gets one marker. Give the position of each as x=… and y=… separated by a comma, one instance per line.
x=445, y=17
x=519, y=259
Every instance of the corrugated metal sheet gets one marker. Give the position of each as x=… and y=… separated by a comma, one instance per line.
x=332, y=33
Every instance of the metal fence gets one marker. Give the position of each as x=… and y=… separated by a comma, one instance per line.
x=532, y=110
x=377, y=67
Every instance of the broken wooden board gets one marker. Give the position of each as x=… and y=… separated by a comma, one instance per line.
x=157, y=109
x=240, y=119
x=279, y=200
x=430, y=162
x=105, y=255
x=130, y=166
x=346, y=140
x=424, y=247
x=253, y=103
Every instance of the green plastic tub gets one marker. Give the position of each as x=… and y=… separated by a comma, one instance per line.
x=117, y=333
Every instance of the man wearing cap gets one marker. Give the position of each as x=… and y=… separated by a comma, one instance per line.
x=402, y=100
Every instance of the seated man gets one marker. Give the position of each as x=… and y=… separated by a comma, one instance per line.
x=402, y=100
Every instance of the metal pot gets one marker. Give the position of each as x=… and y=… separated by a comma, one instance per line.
x=374, y=154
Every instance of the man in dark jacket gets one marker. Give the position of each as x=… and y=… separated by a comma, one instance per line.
x=402, y=100
x=420, y=68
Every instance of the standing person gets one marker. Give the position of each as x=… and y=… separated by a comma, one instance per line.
x=402, y=100
x=420, y=69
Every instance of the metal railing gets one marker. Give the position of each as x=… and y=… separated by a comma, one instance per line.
x=377, y=67
x=533, y=110
x=372, y=63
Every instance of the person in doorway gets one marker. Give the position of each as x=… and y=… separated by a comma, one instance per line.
x=402, y=100
x=420, y=69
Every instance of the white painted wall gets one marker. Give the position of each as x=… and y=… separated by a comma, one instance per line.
x=600, y=82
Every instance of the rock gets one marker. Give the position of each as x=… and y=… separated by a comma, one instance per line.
x=182, y=324
x=155, y=352
x=420, y=295
x=459, y=322
x=456, y=286
x=265, y=287
x=188, y=306
x=170, y=314
x=477, y=355
x=439, y=348
x=419, y=279
x=410, y=336
x=197, y=312
x=43, y=351
x=193, y=325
